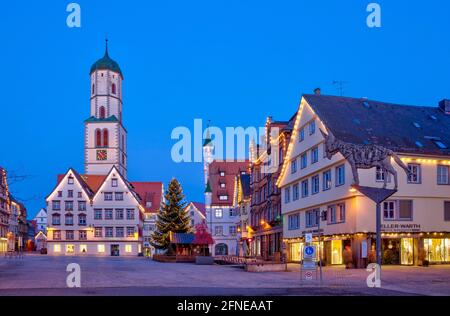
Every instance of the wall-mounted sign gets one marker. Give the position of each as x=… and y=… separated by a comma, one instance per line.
x=308, y=237
x=400, y=227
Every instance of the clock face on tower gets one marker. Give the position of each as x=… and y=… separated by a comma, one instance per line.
x=102, y=154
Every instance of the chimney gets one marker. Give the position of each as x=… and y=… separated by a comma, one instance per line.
x=317, y=91
x=444, y=105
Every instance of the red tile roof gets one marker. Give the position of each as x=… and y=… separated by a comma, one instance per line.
x=147, y=191
x=201, y=207
x=231, y=169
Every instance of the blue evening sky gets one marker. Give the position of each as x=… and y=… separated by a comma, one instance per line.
x=232, y=62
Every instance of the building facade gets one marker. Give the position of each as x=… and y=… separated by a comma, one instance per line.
x=241, y=204
x=41, y=220
x=318, y=191
x=101, y=212
x=197, y=213
x=4, y=211
x=265, y=213
x=221, y=216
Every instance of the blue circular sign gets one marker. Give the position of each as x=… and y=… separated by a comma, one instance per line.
x=309, y=250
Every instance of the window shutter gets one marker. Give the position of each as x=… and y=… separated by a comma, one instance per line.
x=447, y=211
x=405, y=209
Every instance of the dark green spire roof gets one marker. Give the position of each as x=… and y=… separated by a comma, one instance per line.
x=106, y=63
x=208, y=141
x=208, y=188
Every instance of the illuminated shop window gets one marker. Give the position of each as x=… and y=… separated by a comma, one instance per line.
x=336, y=252
x=57, y=248
x=407, y=251
x=101, y=248
x=128, y=248
x=70, y=248
x=83, y=248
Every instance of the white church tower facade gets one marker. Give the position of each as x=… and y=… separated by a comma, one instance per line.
x=105, y=136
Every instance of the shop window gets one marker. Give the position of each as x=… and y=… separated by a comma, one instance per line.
x=336, y=252
x=407, y=251
x=437, y=249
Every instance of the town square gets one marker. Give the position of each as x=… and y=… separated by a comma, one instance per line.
x=169, y=151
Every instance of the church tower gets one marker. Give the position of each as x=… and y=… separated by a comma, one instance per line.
x=105, y=136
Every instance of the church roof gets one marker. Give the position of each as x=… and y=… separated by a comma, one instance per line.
x=106, y=63
x=112, y=118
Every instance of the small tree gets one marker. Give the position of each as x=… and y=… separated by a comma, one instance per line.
x=172, y=217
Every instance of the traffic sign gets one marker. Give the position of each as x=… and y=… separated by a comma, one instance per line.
x=309, y=265
x=308, y=275
x=309, y=252
x=308, y=237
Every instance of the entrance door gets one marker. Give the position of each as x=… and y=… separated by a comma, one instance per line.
x=115, y=250
x=407, y=251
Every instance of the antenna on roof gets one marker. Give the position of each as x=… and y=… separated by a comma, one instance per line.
x=340, y=84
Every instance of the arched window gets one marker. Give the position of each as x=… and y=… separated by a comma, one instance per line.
x=113, y=88
x=102, y=112
x=98, y=138
x=105, y=137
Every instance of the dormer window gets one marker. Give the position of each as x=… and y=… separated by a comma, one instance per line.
x=70, y=180
x=440, y=144
x=114, y=182
x=222, y=173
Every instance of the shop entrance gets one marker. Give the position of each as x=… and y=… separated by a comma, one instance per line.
x=390, y=249
x=115, y=252
x=407, y=251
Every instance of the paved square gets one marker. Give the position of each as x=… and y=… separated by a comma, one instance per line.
x=46, y=275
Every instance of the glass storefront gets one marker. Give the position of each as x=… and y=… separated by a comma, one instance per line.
x=407, y=251
x=3, y=245
x=437, y=250
x=296, y=250
x=336, y=252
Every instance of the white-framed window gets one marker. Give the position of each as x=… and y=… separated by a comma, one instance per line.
x=293, y=221
x=56, y=219
x=305, y=192
x=443, y=174
x=70, y=180
x=57, y=248
x=114, y=183
x=68, y=220
x=70, y=235
x=130, y=214
x=82, y=235
x=120, y=232
x=336, y=213
x=101, y=248
x=312, y=218
x=340, y=175
x=118, y=196
x=222, y=185
x=128, y=248
x=315, y=187
x=108, y=196
x=119, y=214
x=82, y=219
x=294, y=166
x=315, y=155
x=56, y=205
x=82, y=206
x=218, y=230
x=414, y=173
x=233, y=230
x=380, y=174
x=97, y=214
x=218, y=213
x=326, y=180
x=109, y=214
x=312, y=127
x=130, y=231
x=109, y=232
x=98, y=232
x=389, y=210
x=301, y=135
x=295, y=192
x=287, y=195
x=303, y=161
x=222, y=173
x=223, y=197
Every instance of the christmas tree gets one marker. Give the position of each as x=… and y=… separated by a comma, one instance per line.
x=172, y=217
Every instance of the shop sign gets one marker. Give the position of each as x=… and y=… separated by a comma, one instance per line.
x=400, y=227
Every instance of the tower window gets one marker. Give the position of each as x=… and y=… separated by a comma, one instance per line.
x=105, y=138
x=93, y=88
x=102, y=112
x=98, y=138
x=113, y=88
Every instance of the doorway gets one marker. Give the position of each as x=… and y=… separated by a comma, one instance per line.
x=115, y=252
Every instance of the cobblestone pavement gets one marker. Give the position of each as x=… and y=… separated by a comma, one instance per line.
x=46, y=275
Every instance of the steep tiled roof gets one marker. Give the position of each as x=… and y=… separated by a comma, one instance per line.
x=231, y=170
x=201, y=207
x=245, y=184
x=402, y=128
x=149, y=192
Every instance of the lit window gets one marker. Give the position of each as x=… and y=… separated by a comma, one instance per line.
x=222, y=174
x=101, y=248
x=70, y=248
x=83, y=248
x=218, y=213
x=128, y=248
x=57, y=248
x=223, y=197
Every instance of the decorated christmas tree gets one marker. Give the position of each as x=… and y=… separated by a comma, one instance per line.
x=172, y=217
